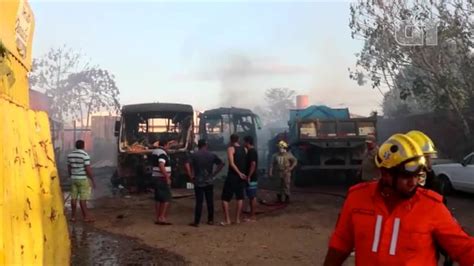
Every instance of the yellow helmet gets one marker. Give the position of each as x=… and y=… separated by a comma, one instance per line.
x=400, y=151
x=425, y=143
x=282, y=144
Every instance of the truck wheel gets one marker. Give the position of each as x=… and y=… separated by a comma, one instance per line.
x=445, y=185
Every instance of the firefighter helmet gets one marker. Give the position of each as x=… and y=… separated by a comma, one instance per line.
x=425, y=143
x=400, y=151
x=282, y=144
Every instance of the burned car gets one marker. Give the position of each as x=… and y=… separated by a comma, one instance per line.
x=142, y=124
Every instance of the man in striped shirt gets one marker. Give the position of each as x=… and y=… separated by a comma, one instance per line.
x=80, y=171
x=161, y=172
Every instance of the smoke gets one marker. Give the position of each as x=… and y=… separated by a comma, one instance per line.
x=244, y=78
x=236, y=79
x=333, y=87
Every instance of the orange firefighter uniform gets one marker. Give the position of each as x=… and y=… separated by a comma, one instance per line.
x=406, y=236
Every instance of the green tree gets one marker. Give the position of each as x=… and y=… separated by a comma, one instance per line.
x=436, y=74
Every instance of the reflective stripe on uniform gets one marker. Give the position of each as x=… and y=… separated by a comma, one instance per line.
x=378, y=228
x=395, y=231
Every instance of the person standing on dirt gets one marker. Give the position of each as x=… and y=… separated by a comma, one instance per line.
x=252, y=181
x=161, y=172
x=394, y=222
x=281, y=166
x=428, y=179
x=369, y=171
x=236, y=179
x=200, y=169
x=79, y=169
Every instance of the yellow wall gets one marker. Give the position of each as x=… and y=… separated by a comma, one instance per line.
x=14, y=86
x=10, y=34
x=16, y=34
x=33, y=228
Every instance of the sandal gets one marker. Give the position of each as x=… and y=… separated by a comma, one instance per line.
x=224, y=224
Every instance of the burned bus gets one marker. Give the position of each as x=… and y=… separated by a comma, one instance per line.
x=142, y=124
x=217, y=125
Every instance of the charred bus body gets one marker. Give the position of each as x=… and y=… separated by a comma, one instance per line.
x=141, y=125
x=217, y=125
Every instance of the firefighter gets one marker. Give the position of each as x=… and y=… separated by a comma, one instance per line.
x=429, y=180
x=392, y=221
x=281, y=166
x=369, y=171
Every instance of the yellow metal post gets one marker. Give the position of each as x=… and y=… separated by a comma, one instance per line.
x=33, y=228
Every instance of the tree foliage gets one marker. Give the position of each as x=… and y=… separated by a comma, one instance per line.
x=433, y=71
x=278, y=101
x=94, y=90
x=76, y=89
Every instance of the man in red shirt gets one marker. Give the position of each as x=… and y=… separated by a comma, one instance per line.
x=392, y=221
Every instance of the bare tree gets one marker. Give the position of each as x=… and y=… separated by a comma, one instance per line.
x=49, y=75
x=94, y=90
x=77, y=90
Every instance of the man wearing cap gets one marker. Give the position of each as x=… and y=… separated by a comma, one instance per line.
x=200, y=168
x=281, y=166
x=369, y=171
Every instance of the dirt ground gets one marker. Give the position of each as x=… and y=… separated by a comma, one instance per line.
x=293, y=235
x=296, y=234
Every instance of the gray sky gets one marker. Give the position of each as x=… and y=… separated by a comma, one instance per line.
x=212, y=54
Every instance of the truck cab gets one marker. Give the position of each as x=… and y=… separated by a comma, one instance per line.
x=328, y=142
